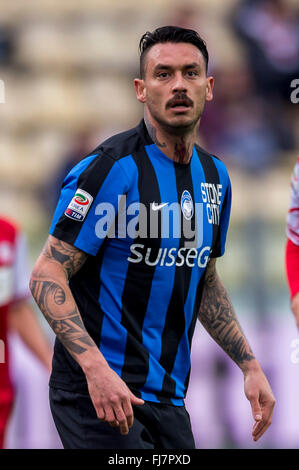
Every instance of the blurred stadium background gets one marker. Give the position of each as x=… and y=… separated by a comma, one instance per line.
x=67, y=68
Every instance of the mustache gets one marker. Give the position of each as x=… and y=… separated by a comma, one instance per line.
x=179, y=98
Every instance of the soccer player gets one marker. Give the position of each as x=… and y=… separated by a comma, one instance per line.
x=292, y=246
x=15, y=313
x=130, y=264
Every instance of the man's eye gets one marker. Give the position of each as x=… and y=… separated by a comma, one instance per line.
x=163, y=75
x=192, y=73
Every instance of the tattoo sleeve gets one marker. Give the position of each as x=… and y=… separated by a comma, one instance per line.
x=49, y=287
x=217, y=315
x=70, y=258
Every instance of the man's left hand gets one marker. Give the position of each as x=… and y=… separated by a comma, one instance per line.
x=262, y=401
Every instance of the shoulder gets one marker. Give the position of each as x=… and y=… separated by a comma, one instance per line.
x=104, y=156
x=215, y=161
x=123, y=144
x=112, y=150
x=209, y=156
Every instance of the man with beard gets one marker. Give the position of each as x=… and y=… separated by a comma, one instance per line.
x=129, y=266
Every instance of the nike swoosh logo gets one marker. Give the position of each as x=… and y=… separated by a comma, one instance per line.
x=156, y=206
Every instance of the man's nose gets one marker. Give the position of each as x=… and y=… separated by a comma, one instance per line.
x=179, y=83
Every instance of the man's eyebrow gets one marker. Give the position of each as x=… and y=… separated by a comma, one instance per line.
x=162, y=66
x=170, y=67
x=192, y=66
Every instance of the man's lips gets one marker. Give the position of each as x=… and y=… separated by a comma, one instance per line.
x=180, y=103
x=180, y=107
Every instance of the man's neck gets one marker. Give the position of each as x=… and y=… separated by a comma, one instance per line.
x=177, y=147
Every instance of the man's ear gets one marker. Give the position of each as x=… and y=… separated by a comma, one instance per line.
x=140, y=90
x=209, y=88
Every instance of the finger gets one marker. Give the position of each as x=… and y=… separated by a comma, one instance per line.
x=122, y=420
x=258, y=427
x=261, y=432
x=101, y=414
x=128, y=410
x=261, y=426
x=135, y=400
x=110, y=416
x=256, y=409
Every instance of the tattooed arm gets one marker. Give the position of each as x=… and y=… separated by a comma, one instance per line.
x=49, y=287
x=58, y=262
x=218, y=317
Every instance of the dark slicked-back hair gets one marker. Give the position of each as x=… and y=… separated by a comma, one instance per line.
x=173, y=34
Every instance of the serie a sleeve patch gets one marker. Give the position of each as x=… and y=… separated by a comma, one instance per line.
x=79, y=205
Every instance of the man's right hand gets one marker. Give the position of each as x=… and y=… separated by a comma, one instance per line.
x=111, y=397
x=295, y=308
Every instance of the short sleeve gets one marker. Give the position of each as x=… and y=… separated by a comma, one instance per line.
x=219, y=245
x=91, y=188
x=292, y=228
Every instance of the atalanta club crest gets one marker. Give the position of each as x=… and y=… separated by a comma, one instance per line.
x=187, y=205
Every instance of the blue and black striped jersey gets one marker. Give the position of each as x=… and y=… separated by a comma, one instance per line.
x=150, y=225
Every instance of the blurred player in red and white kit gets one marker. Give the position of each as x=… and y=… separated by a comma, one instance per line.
x=292, y=247
x=16, y=313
